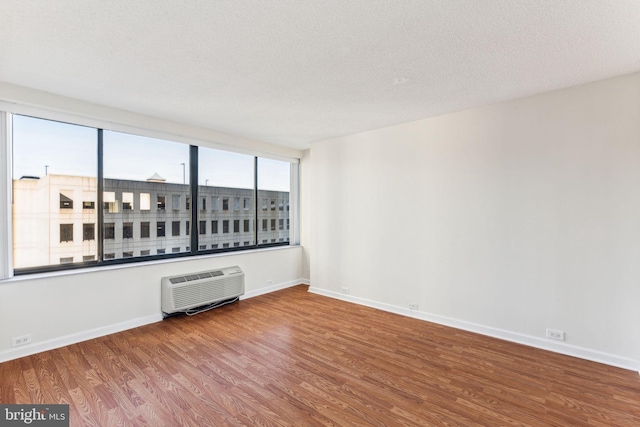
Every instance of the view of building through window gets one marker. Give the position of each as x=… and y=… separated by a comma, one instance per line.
x=55, y=196
x=146, y=191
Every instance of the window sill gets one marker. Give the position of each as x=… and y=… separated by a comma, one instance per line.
x=97, y=269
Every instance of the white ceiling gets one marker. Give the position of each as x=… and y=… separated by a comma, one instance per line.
x=292, y=72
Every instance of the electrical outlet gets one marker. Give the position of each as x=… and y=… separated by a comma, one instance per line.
x=345, y=290
x=269, y=282
x=555, y=334
x=413, y=306
x=21, y=340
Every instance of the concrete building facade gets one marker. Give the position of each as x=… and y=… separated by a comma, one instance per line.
x=55, y=219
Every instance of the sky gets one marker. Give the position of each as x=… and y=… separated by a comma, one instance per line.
x=44, y=146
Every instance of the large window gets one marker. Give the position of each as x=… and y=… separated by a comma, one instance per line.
x=146, y=177
x=274, y=187
x=84, y=194
x=228, y=179
x=54, y=165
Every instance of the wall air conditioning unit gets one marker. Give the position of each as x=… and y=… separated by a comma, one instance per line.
x=186, y=291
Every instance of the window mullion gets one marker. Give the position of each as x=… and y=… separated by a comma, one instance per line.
x=99, y=198
x=255, y=197
x=193, y=183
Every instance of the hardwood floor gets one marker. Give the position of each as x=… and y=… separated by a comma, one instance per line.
x=291, y=358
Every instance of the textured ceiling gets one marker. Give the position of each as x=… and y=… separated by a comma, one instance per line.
x=294, y=71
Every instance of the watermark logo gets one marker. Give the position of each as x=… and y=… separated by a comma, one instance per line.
x=34, y=415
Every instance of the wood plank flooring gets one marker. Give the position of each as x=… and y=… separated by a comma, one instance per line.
x=291, y=358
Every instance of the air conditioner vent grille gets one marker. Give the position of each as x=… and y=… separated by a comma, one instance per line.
x=180, y=293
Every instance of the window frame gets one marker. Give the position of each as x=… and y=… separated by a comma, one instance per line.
x=106, y=221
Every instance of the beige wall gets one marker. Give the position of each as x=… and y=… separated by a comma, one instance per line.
x=507, y=219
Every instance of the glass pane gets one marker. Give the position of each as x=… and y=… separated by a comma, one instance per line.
x=145, y=184
x=54, y=193
x=226, y=206
x=274, y=182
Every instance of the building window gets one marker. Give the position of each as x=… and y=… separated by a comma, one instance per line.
x=66, y=260
x=287, y=223
x=88, y=205
x=110, y=255
x=188, y=203
x=236, y=244
x=273, y=224
x=88, y=257
x=225, y=226
x=175, y=202
x=88, y=232
x=246, y=226
x=66, y=233
x=214, y=226
x=161, y=203
x=187, y=229
x=160, y=251
x=265, y=204
x=109, y=230
x=175, y=228
x=127, y=230
x=145, y=201
x=145, y=228
x=65, y=202
x=265, y=225
x=246, y=205
x=146, y=252
x=214, y=246
x=236, y=225
x=128, y=254
x=246, y=243
x=160, y=230
x=175, y=250
x=203, y=204
x=281, y=224
x=236, y=203
x=281, y=205
x=110, y=202
x=215, y=202
x=225, y=245
x=127, y=201
x=202, y=247
x=203, y=227
x=225, y=203
x=273, y=205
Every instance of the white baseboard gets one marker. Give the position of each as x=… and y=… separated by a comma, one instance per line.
x=273, y=288
x=532, y=341
x=74, y=338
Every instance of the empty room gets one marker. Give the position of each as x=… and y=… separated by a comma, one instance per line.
x=327, y=213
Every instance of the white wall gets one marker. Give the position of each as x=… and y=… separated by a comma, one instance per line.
x=305, y=212
x=506, y=220
x=62, y=308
